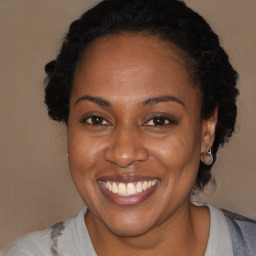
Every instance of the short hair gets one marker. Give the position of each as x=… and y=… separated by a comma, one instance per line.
x=172, y=21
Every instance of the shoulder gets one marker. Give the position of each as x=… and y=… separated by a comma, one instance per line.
x=47, y=241
x=36, y=243
x=243, y=232
x=240, y=223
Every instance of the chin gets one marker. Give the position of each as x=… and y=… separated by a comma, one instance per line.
x=128, y=229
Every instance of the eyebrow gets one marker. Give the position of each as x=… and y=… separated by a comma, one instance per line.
x=151, y=101
x=159, y=99
x=96, y=100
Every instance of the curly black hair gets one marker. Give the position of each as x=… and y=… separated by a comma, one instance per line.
x=172, y=21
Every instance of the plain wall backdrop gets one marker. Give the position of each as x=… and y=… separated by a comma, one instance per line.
x=36, y=190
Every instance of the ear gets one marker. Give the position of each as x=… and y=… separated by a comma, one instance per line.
x=208, y=131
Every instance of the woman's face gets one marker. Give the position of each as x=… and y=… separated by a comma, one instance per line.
x=134, y=133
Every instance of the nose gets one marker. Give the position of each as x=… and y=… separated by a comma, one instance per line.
x=125, y=148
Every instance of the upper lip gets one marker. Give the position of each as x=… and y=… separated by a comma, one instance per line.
x=125, y=178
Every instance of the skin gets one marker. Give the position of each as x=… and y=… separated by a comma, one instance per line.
x=127, y=70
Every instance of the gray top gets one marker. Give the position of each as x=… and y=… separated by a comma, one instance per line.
x=243, y=233
x=219, y=242
x=71, y=238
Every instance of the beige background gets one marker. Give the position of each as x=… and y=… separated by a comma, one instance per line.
x=35, y=186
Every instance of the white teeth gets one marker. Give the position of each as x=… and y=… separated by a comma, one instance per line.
x=139, y=187
x=131, y=189
x=108, y=186
x=121, y=189
x=114, y=188
x=145, y=185
x=127, y=189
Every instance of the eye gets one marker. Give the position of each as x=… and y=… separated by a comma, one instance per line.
x=160, y=121
x=95, y=120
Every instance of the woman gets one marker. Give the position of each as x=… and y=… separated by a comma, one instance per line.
x=148, y=96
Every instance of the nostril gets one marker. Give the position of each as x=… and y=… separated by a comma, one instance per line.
x=125, y=157
x=125, y=147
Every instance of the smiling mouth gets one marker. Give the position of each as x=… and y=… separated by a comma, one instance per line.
x=128, y=189
x=125, y=191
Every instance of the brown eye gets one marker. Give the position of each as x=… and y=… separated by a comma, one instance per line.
x=158, y=120
x=96, y=120
x=161, y=120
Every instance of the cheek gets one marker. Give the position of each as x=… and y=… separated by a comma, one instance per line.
x=84, y=151
x=177, y=149
x=83, y=155
x=179, y=154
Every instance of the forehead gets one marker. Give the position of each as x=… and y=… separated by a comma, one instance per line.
x=127, y=63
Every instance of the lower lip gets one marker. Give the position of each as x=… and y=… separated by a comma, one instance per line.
x=127, y=200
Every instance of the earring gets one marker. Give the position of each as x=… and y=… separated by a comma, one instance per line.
x=207, y=157
x=67, y=154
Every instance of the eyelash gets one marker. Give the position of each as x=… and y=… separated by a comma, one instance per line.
x=100, y=118
x=104, y=122
x=161, y=119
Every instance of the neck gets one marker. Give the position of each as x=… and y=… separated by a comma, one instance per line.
x=181, y=234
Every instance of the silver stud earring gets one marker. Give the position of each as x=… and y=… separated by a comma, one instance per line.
x=207, y=157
